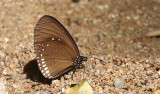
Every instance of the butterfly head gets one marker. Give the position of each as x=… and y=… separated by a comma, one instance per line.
x=77, y=62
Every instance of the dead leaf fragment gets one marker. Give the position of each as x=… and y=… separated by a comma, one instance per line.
x=84, y=88
x=153, y=33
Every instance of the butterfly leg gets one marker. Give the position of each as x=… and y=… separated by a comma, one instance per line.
x=73, y=73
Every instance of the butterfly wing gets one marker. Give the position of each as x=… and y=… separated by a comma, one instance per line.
x=49, y=28
x=54, y=59
x=54, y=47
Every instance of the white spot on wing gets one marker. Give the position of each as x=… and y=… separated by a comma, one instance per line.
x=52, y=38
x=47, y=71
x=41, y=55
x=45, y=68
x=43, y=62
x=42, y=59
x=47, y=44
x=59, y=39
x=44, y=65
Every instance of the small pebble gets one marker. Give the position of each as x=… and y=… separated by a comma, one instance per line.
x=159, y=72
x=3, y=86
x=67, y=76
x=2, y=54
x=119, y=83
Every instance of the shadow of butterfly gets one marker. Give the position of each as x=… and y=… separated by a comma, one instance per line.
x=56, y=51
x=32, y=72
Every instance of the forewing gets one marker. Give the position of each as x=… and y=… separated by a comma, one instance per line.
x=48, y=28
x=53, y=59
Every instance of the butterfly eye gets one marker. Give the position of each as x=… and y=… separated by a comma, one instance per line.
x=53, y=56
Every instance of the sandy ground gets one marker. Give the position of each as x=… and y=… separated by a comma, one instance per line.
x=113, y=31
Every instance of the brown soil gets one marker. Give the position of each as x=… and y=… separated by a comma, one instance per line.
x=113, y=31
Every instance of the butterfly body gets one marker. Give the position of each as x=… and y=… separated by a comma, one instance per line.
x=55, y=49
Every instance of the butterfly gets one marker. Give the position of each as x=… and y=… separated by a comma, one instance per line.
x=56, y=51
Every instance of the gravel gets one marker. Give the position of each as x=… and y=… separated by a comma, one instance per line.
x=121, y=59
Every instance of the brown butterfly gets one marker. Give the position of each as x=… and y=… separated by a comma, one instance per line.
x=55, y=49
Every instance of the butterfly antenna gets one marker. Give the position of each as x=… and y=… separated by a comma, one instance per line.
x=101, y=60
